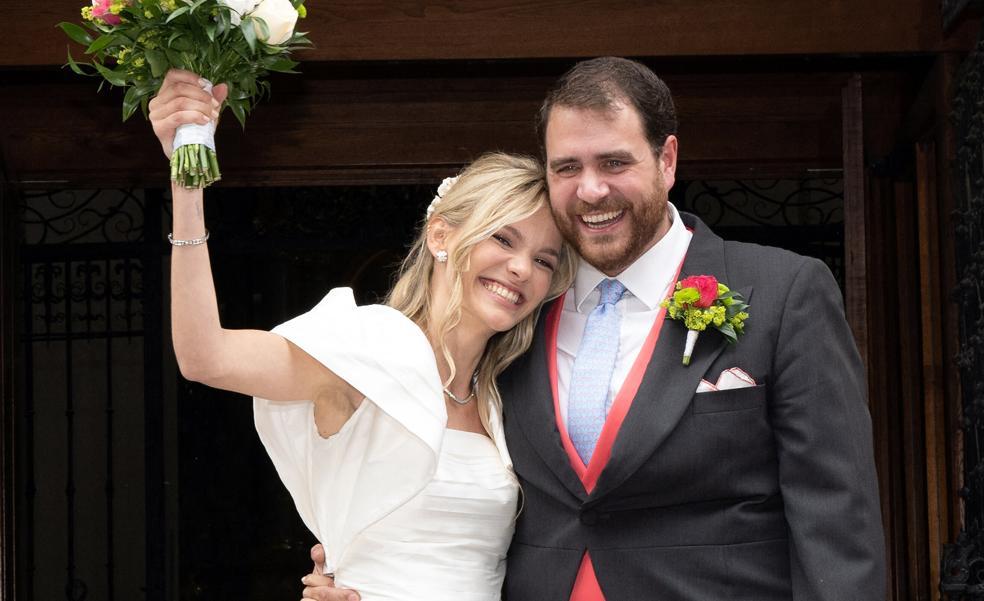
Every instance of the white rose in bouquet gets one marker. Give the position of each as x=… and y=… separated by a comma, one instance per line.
x=280, y=17
x=239, y=8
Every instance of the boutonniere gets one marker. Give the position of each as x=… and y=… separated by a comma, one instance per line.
x=702, y=302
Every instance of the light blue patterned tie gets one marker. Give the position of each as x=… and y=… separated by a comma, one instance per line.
x=593, y=366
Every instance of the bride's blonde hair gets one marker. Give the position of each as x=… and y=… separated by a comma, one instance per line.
x=494, y=191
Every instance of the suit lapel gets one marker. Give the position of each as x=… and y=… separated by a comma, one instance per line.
x=532, y=407
x=668, y=386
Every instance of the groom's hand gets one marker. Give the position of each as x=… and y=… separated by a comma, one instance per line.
x=318, y=587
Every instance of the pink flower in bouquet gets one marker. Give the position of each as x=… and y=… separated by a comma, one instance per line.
x=706, y=285
x=102, y=10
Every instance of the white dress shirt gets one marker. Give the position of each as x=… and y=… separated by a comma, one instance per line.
x=647, y=281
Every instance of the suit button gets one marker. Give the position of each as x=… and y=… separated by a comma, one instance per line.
x=589, y=517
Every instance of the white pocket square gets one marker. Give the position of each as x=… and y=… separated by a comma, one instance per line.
x=728, y=380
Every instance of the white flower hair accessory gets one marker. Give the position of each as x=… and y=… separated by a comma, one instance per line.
x=442, y=190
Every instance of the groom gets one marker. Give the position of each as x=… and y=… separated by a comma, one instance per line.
x=746, y=475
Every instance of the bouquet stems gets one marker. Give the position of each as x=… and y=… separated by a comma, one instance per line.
x=194, y=163
x=195, y=166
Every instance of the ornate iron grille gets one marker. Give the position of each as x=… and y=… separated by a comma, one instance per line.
x=805, y=215
x=963, y=562
x=89, y=458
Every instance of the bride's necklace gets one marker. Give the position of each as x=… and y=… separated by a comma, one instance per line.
x=470, y=396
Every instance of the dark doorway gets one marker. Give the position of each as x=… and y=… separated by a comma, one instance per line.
x=136, y=483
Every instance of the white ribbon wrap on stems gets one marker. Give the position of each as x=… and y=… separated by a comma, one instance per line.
x=193, y=133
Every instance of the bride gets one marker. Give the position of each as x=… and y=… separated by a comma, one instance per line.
x=384, y=421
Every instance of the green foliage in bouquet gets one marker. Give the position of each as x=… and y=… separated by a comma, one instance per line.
x=133, y=43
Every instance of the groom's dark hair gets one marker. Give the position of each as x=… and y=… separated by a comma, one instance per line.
x=602, y=84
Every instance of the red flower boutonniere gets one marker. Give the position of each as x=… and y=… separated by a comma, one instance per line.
x=700, y=302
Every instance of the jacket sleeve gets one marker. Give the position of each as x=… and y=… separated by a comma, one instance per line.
x=823, y=434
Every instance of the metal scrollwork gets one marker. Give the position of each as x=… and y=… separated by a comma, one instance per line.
x=963, y=570
x=64, y=216
x=83, y=297
x=73, y=295
x=962, y=576
x=802, y=215
x=769, y=202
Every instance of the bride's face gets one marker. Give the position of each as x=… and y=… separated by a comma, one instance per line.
x=510, y=273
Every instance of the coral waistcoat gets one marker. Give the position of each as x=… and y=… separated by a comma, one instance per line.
x=586, y=587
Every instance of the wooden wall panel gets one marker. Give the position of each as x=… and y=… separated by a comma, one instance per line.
x=855, y=209
x=933, y=387
x=910, y=400
x=883, y=380
x=477, y=29
x=320, y=129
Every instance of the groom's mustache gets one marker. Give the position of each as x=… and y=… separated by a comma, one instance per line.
x=604, y=206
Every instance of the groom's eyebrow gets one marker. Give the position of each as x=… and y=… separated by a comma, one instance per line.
x=621, y=155
x=555, y=163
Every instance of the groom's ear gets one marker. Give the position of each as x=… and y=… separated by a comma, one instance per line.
x=667, y=160
x=438, y=231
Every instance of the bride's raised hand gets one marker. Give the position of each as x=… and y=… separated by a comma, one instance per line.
x=181, y=100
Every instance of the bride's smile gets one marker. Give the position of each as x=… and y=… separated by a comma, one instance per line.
x=509, y=274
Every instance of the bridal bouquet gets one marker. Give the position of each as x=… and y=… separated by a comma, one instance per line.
x=133, y=43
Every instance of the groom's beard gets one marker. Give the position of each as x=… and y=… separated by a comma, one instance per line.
x=642, y=224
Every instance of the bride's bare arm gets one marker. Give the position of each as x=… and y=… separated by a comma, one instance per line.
x=253, y=362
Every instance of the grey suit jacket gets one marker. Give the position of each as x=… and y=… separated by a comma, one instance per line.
x=759, y=494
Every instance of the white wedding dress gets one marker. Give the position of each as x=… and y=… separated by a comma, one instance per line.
x=405, y=508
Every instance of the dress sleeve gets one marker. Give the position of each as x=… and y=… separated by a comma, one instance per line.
x=387, y=451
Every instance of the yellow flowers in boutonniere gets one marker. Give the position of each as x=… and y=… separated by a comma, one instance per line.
x=701, y=302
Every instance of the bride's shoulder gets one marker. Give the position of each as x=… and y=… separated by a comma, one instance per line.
x=338, y=313
x=342, y=301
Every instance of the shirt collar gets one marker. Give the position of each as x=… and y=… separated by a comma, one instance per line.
x=647, y=276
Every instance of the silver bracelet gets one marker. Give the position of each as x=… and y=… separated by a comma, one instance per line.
x=192, y=242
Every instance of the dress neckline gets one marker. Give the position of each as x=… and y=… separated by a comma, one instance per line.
x=486, y=436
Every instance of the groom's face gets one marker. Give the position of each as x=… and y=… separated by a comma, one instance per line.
x=608, y=190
